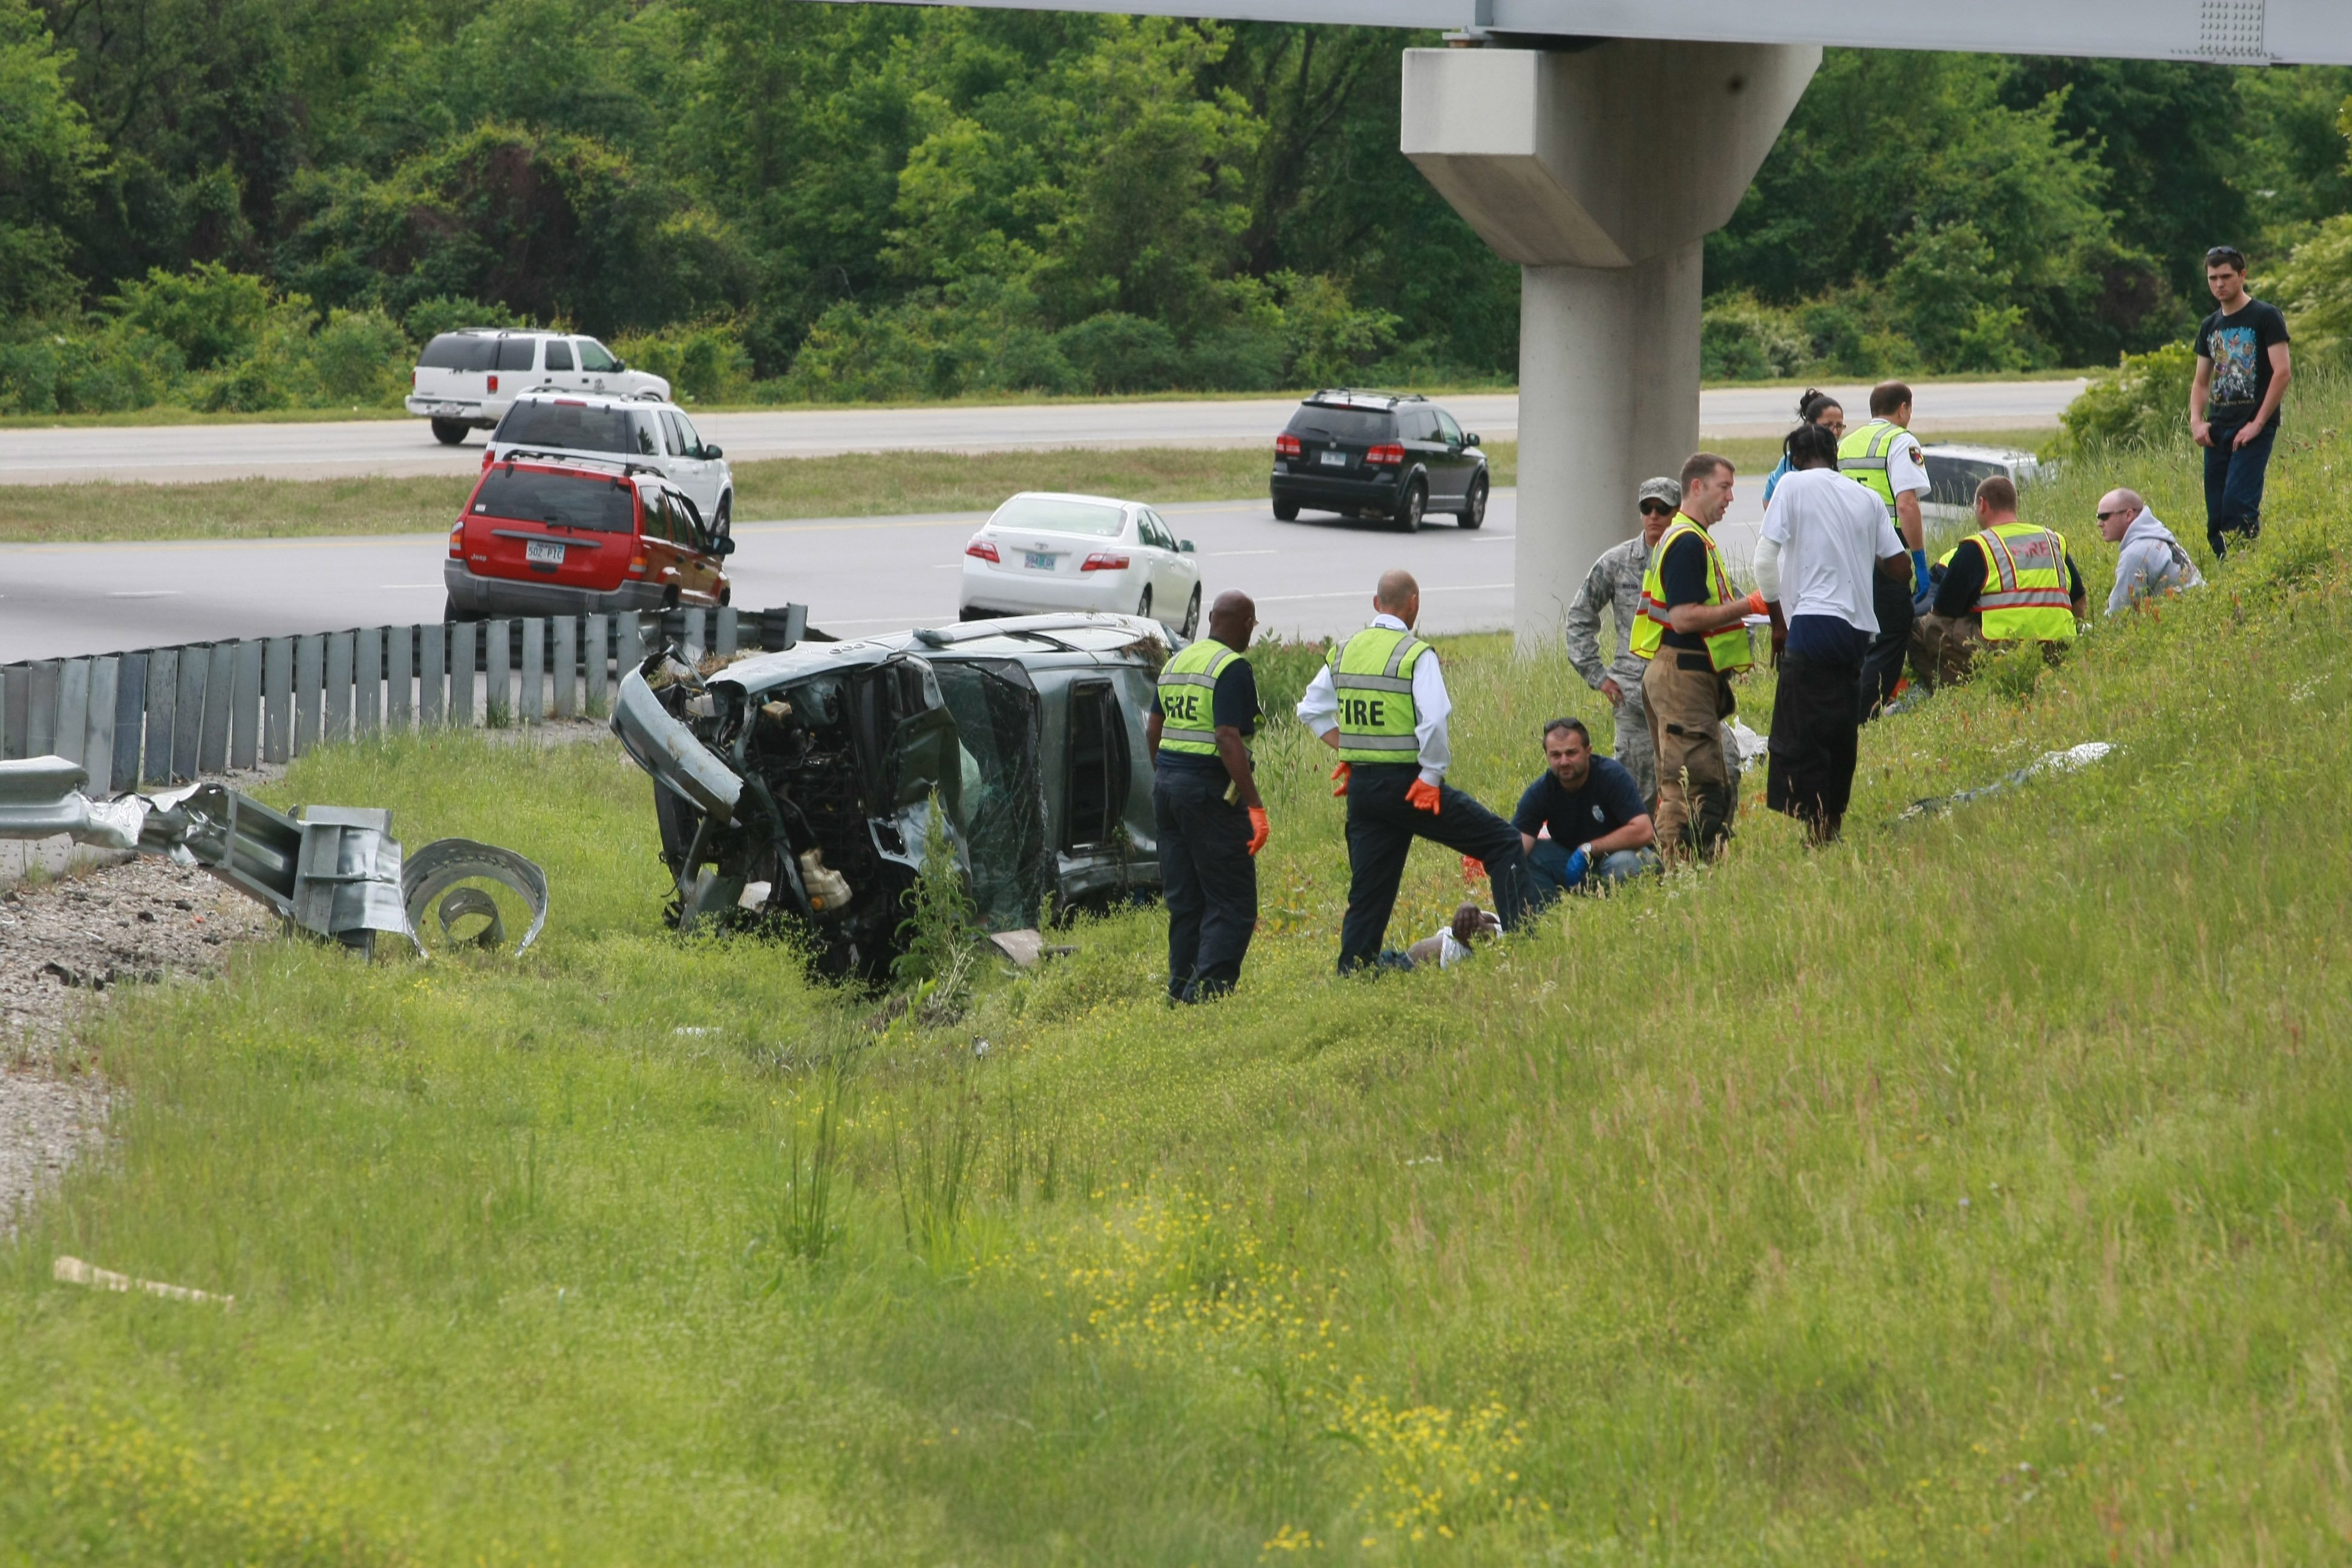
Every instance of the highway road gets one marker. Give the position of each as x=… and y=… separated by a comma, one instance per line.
x=197, y=452
x=1311, y=577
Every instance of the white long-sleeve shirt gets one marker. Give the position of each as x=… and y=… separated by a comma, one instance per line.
x=1320, y=709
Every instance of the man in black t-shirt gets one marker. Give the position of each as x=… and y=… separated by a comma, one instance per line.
x=2242, y=371
x=1601, y=830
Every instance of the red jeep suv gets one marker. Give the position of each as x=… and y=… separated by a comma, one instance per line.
x=576, y=538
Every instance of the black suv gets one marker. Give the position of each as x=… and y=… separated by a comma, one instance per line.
x=1378, y=454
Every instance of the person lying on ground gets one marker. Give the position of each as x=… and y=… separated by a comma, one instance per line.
x=1600, y=832
x=1450, y=944
x=2152, y=562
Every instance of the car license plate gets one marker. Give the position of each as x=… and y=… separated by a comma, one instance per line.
x=543, y=551
x=1334, y=460
x=446, y=409
x=1036, y=561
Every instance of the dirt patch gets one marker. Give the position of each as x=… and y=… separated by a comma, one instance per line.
x=67, y=946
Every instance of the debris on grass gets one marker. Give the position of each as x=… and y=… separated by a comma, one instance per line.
x=2072, y=759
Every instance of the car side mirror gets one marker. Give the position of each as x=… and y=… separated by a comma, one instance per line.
x=1470, y=440
x=724, y=547
x=1185, y=545
x=711, y=454
x=619, y=366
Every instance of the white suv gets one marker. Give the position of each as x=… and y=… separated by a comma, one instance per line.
x=642, y=432
x=466, y=380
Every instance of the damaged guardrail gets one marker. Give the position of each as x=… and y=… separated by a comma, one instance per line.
x=335, y=871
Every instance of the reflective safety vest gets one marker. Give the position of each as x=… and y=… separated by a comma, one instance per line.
x=1862, y=457
x=1373, y=673
x=1188, y=695
x=2025, y=588
x=1728, y=649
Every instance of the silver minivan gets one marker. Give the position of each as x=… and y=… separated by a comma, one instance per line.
x=466, y=380
x=640, y=432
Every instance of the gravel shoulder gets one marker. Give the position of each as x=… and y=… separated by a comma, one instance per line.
x=69, y=946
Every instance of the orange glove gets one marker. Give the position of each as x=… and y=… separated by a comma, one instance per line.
x=1423, y=796
x=1340, y=774
x=1473, y=869
x=1756, y=603
x=1260, y=829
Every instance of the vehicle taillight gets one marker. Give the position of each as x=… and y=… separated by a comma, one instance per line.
x=1287, y=446
x=486, y=458
x=412, y=381
x=1386, y=455
x=985, y=549
x=1103, y=561
x=457, y=542
x=637, y=562
x=494, y=384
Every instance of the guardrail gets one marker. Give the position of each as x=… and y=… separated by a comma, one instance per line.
x=166, y=715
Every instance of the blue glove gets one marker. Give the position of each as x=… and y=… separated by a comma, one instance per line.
x=1579, y=862
x=1918, y=573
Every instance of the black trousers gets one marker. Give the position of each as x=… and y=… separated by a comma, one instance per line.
x=1381, y=827
x=1207, y=879
x=1881, y=666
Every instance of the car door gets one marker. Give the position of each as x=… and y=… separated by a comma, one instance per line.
x=684, y=462
x=1417, y=428
x=711, y=481
x=1459, y=455
x=599, y=371
x=1171, y=584
x=561, y=369
x=699, y=568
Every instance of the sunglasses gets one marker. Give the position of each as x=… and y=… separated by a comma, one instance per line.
x=2119, y=511
x=1656, y=508
x=2221, y=254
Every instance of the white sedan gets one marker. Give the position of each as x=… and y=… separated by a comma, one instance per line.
x=1040, y=552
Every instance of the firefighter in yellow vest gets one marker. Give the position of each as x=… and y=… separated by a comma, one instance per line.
x=1205, y=802
x=2010, y=582
x=1691, y=633
x=1379, y=701
x=1884, y=457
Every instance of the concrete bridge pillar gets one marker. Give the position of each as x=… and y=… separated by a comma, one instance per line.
x=1601, y=171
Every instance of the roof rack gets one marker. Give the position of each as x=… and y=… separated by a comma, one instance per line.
x=1355, y=393
x=628, y=467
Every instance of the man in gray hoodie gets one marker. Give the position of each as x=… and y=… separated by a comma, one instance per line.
x=2152, y=562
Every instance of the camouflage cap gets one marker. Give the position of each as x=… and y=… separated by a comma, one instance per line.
x=1660, y=488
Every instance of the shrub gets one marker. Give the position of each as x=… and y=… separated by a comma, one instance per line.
x=359, y=356
x=210, y=314
x=1326, y=338
x=428, y=319
x=1115, y=351
x=704, y=362
x=2315, y=287
x=2143, y=400
x=1741, y=339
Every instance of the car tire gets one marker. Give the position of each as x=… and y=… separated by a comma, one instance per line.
x=1286, y=511
x=1411, y=508
x=450, y=432
x=452, y=614
x=1191, y=627
x=1143, y=605
x=726, y=515
x=1473, y=510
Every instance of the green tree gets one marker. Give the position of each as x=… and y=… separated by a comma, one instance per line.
x=49, y=158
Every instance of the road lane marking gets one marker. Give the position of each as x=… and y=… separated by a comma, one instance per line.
x=149, y=593
x=1216, y=554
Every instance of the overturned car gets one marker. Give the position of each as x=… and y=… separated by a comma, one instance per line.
x=794, y=788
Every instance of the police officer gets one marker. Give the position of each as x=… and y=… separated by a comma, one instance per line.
x=1380, y=702
x=1883, y=455
x=2010, y=582
x=1205, y=802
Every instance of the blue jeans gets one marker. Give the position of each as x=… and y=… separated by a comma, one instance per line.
x=1547, y=867
x=2233, y=482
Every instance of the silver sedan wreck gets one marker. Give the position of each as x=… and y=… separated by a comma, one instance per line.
x=794, y=788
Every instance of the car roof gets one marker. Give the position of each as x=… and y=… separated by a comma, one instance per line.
x=505, y=333
x=1069, y=495
x=1350, y=397
x=584, y=468
x=1988, y=454
x=593, y=399
x=1035, y=642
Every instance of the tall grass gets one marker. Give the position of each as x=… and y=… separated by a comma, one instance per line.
x=1974, y=1190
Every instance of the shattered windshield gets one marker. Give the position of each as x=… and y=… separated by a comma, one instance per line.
x=1048, y=516
x=1003, y=819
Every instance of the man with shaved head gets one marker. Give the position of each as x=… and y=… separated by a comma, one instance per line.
x=1380, y=702
x=2152, y=562
x=1205, y=802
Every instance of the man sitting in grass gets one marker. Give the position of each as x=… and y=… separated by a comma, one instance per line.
x=1601, y=834
x=2152, y=563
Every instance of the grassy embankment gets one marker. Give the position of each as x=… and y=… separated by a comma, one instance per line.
x=1974, y=1191
x=854, y=485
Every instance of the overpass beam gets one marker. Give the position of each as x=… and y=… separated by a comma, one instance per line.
x=1601, y=172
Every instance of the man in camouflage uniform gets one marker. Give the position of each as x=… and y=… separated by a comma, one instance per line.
x=1616, y=582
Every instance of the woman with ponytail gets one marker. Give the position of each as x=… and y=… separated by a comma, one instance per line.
x=1816, y=407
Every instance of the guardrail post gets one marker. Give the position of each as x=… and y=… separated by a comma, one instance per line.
x=697, y=641
x=276, y=699
x=339, y=686
x=727, y=631
x=530, y=699
x=130, y=717
x=73, y=708
x=463, y=637
x=367, y=682
x=162, y=706
x=309, y=686
x=244, y=706
x=432, y=674
x=41, y=710
x=597, y=647
x=12, y=712
x=566, y=666
x=188, y=709
x=399, y=675
x=97, y=736
x=497, y=673
x=220, y=702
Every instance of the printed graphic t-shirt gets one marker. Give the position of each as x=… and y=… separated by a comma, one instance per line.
x=2240, y=348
